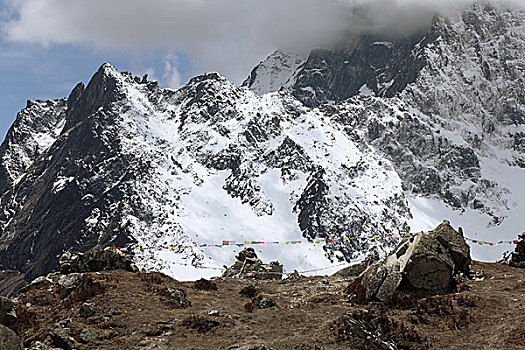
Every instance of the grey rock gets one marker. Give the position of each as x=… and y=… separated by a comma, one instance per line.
x=38, y=345
x=7, y=311
x=42, y=346
x=374, y=279
x=115, y=311
x=61, y=338
x=67, y=283
x=263, y=302
x=364, y=330
x=37, y=283
x=179, y=296
x=455, y=243
x=72, y=262
x=248, y=347
x=88, y=336
x=86, y=310
x=9, y=340
x=389, y=285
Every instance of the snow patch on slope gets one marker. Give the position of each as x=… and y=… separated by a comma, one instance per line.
x=428, y=212
x=180, y=201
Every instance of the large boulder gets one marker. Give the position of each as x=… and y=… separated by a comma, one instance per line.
x=518, y=256
x=424, y=264
x=9, y=340
x=455, y=244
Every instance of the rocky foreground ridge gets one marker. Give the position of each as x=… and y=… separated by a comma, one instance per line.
x=450, y=303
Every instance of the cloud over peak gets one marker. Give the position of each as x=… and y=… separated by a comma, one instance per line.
x=225, y=35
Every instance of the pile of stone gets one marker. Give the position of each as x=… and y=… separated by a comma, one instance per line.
x=248, y=265
x=518, y=256
x=424, y=264
x=98, y=260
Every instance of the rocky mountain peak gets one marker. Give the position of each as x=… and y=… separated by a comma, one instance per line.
x=368, y=140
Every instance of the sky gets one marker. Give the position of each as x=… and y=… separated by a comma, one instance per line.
x=48, y=46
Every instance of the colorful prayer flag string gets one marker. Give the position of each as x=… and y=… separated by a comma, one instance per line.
x=227, y=243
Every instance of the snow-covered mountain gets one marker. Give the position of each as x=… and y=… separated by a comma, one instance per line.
x=376, y=137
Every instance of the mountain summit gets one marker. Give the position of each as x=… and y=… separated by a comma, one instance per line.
x=374, y=138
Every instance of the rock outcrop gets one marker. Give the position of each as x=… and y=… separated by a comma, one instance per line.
x=105, y=260
x=518, y=256
x=72, y=262
x=424, y=264
x=98, y=260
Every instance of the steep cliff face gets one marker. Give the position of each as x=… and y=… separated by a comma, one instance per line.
x=45, y=210
x=371, y=138
x=36, y=128
x=459, y=86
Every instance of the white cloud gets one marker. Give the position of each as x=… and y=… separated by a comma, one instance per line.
x=172, y=77
x=229, y=36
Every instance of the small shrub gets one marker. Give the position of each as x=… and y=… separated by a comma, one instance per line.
x=200, y=323
x=204, y=284
x=249, y=292
x=356, y=291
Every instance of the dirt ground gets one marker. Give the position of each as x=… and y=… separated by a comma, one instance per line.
x=137, y=311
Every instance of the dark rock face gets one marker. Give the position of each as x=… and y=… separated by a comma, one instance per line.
x=9, y=340
x=518, y=256
x=7, y=311
x=38, y=118
x=11, y=281
x=56, y=187
x=385, y=67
